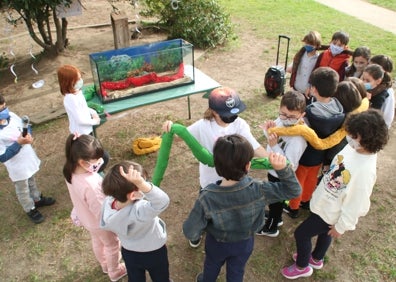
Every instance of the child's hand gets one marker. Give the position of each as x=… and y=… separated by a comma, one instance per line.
x=277, y=161
x=136, y=178
x=272, y=139
x=132, y=175
x=333, y=232
x=166, y=127
x=28, y=139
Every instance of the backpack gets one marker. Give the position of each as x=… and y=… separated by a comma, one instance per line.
x=274, y=81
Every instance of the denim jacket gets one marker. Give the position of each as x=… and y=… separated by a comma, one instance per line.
x=234, y=213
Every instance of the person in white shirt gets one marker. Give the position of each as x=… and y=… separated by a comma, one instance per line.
x=343, y=195
x=81, y=117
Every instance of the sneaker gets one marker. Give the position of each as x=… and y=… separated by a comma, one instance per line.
x=199, y=277
x=304, y=205
x=292, y=272
x=266, y=215
x=195, y=244
x=291, y=212
x=268, y=232
x=314, y=264
x=44, y=201
x=35, y=216
x=119, y=274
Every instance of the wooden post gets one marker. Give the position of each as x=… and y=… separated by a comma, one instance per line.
x=119, y=23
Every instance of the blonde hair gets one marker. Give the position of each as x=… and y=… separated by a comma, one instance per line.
x=313, y=38
x=68, y=75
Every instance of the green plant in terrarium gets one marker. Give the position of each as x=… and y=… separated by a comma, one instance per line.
x=118, y=67
x=167, y=59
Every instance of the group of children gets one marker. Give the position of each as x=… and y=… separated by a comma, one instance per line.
x=121, y=210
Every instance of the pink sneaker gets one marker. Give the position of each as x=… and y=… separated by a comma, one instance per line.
x=312, y=262
x=118, y=274
x=292, y=272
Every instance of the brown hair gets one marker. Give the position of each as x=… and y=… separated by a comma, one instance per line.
x=313, y=38
x=370, y=126
x=325, y=80
x=117, y=186
x=67, y=78
x=231, y=154
x=85, y=147
x=348, y=95
x=359, y=84
x=293, y=101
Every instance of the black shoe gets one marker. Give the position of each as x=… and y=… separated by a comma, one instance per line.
x=44, y=201
x=35, y=216
x=274, y=232
x=304, y=205
x=199, y=277
x=266, y=215
x=291, y=212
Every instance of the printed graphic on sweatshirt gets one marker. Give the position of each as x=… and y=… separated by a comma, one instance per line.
x=337, y=178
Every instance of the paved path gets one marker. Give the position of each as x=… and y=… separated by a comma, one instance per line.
x=375, y=15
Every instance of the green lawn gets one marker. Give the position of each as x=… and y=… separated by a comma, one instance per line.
x=389, y=4
x=296, y=18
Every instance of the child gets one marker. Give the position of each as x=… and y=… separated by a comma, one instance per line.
x=360, y=60
x=324, y=116
x=388, y=107
x=81, y=117
x=343, y=195
x=22, y=163
x=337, y=55
x=83, y=159
x=220, y=119
x=232, y=210
x=291, y=112
x=377, y=82
x=304, y=62
x=131, y=211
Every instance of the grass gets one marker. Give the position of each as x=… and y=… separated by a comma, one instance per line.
x=364, y=255
x=295, y=18
x=388, y=4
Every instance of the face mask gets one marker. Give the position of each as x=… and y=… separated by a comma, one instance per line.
x=353, y=142
x=79, y=84
x=368, y=86
x=230, y=119
x=289, y=122
x=95, y=167
x=335, y=50
x=309, y=48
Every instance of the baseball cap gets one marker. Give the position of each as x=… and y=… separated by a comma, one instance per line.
x=226, y=102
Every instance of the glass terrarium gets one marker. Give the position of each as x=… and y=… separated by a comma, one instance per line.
x=137, y=70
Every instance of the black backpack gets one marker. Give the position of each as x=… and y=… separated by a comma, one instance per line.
x=275, y=77
x=274, y=81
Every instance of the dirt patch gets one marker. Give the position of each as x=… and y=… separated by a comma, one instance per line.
x=58, y=251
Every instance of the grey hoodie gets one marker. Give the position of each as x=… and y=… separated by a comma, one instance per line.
x=137, y=225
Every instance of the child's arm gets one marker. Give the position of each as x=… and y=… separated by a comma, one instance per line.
x=15, y=147
x=195, y=223
x=288, y=187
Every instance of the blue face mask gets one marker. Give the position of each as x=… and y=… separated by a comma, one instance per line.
x=4, y=115
x=336, y=50
x=309, y=48
x=368, y=86
x=79, y=84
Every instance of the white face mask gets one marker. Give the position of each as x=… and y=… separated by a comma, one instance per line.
x=96, y=166
x=79, y=84
x=335, y=50
x=353, y=143
x=359, y=67
x=289, y=122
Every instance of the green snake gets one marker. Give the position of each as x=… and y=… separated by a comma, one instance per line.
x=199, y=152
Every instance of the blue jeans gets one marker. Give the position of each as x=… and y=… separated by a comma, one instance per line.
x=314, y=225
x=234, y=254
x=155, y=262
x=27, y=193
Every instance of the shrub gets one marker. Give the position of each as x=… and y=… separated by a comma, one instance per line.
x=204, y=23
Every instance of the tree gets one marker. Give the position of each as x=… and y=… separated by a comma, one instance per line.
x=39, y=17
